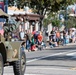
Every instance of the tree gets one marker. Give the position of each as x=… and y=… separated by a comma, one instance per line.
x=71, y=22
x=56, y=22
x=42, y=7
x=11, y=2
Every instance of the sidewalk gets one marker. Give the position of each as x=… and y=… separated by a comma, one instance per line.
x=71, y=44
x=65, y=46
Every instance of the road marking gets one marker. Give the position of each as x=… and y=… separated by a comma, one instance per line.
x=48, y=56
x=43, y=57
x=60, y=69
x=71, y=54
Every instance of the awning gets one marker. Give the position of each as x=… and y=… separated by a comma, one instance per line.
x=3, y=14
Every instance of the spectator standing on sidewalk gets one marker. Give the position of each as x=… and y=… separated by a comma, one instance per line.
x=67, y=38
x=21, y=31
x=22, y=34
x=58, y=37
x=40, y=39
x=32, y=43
x=61, y=37
x=28, y=43
x=73, y=36
x=64, y=37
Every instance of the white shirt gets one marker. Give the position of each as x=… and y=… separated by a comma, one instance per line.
x=22, y=35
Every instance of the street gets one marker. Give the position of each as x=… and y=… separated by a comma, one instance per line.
x=38, y=37
x=54, y=61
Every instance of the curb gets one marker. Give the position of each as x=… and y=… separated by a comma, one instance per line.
x=70, y=45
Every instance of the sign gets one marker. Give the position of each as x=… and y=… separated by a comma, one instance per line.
x=2, y=5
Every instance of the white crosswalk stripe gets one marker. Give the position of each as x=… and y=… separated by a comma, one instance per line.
x=71, y=54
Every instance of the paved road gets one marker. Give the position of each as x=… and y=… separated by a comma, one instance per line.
x=55, y=61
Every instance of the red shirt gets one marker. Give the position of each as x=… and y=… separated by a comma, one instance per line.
x=58, y=34
x=40, y=37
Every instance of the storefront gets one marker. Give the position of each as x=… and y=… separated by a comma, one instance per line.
x=31, y=21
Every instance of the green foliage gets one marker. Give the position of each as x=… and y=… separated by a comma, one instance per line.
x=46, y=22
x=10, y=2
x=52, y=18
x=71, y=22
x=56, y=22
x=8, y=27
x=42, y=5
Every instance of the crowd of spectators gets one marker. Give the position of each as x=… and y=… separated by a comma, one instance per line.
x=34, y=40
x=31, y=40
x=64, y=37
